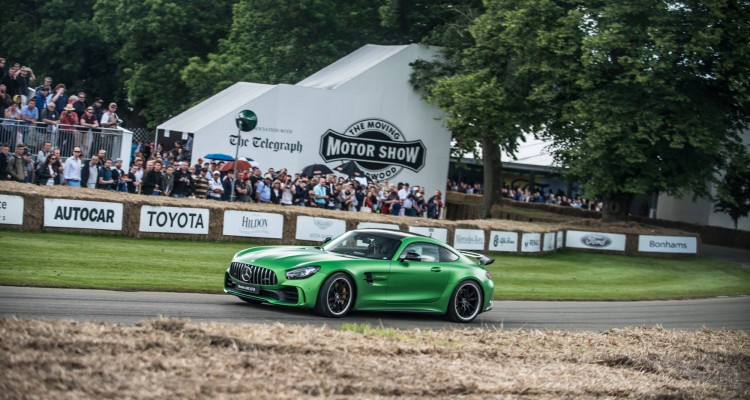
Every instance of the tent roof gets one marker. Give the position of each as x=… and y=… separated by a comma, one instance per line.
x=215, y=107
x=350, y=66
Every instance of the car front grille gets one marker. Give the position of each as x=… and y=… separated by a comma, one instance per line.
x=253, y=274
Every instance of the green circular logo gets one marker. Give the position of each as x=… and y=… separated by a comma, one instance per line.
x=246, y=120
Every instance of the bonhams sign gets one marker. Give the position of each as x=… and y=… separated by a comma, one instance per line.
x=377, y=146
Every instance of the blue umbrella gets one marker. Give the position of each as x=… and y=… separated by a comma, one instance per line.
x=219, y=156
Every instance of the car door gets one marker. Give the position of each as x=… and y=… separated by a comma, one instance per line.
x=414, y=282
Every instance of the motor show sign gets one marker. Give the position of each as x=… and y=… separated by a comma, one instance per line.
x=595, y=240
x=80, y=214
x=531, y=243
x=174, y=220
x=318, y=229
x=440, y=234
x=560, y=240
x=667, y=244
x=11, y=210
x=378, y=147
x=503, y=241
x=253, y=224
x=469, y=239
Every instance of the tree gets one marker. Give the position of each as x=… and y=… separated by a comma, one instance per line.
x=484, y=89
x=643, y=96
x=152, y=41
x=733, y=191
x=272, y=41
x=56, y=38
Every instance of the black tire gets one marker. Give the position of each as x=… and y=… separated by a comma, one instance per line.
x=465, y=303
x=336, y=296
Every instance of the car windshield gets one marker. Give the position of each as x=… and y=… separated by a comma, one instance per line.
x=364, y=244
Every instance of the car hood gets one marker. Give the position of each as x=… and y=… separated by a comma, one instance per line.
x=288, y=256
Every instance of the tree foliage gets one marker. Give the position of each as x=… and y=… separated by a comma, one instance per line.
x=485, y=88
x=733, y=191
x=652, y=96
x=56, y=38
x=284, y=41
x=152, y=41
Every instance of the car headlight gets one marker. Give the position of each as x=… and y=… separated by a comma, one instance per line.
x=302, y=272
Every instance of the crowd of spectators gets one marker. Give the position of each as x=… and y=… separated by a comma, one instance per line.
x=537, y=195
x=156, y=173
x=47, y=108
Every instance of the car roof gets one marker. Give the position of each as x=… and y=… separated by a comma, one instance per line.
x=394, y=234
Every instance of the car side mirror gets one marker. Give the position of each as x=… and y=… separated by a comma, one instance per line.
x=411, y=256
x=327, y=239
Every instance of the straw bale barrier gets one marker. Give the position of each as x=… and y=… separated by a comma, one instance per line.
x=169, y=358
x=34, y=203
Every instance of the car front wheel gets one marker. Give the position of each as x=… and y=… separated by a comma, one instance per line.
x=465, y=303
x=336, y=296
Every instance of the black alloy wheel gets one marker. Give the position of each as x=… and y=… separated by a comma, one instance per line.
x=465, y=303
x=336, y=296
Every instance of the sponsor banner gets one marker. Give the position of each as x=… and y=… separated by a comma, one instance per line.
x=440, y=234
x=667, y=244
x=560, y=242
x=63, y=213
x=375, y=145
x=531, y=243
x=174, y=220
x=549, y=241
x=377, y=225
x=253, y=224
x=318, y=229
x=503, y=241
x=11, y=210
x=595, y=240
x=469, y=239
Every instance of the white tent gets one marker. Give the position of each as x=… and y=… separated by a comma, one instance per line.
x=360, y=108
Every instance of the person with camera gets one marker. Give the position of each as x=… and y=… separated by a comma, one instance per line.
x=109, y=119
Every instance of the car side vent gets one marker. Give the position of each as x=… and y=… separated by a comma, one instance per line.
x=253, y=274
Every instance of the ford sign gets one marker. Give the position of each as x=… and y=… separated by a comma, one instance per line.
x=596, y=241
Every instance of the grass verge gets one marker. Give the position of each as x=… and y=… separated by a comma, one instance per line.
x=117, y=263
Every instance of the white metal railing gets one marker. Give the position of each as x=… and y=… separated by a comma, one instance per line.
x=63, y=137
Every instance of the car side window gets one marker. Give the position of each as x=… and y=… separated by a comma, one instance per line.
x=428, y=251
x=447, y=255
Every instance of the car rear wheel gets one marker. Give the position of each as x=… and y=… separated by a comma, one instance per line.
x=336, y=296
x=465, y=303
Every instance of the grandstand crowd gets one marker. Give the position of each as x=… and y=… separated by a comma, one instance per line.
x=65, y=122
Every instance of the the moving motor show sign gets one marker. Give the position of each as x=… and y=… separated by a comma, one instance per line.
x=378, y=147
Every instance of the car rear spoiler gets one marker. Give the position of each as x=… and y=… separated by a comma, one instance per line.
x=484, y=260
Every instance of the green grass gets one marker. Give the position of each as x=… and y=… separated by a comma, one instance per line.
x=117, y=263
x=572, y=275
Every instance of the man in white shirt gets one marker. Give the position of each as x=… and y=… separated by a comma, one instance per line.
x=404, y=192
x=72, y=170
x=215, y=187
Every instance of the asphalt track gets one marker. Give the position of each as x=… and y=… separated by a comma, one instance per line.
x=132, y=307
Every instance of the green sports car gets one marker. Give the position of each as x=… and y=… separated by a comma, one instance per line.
x=365, y=269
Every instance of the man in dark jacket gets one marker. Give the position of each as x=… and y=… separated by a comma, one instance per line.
x=90, y=173
x=4, y=160
x=17, y=165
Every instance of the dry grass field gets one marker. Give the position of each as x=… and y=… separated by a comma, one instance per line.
x=178, y=359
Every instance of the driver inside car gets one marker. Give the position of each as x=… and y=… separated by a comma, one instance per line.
x=377, y=250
